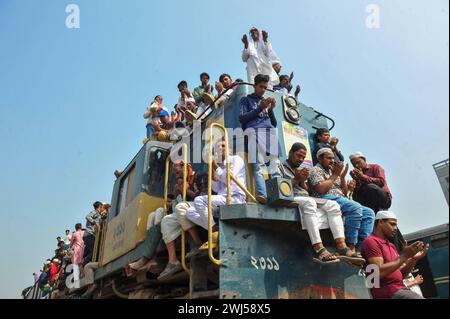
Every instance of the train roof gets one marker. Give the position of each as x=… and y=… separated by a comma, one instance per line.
x=427, y=232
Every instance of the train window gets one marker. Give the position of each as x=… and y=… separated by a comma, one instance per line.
x=126, y=190
x=156, y=172
x=439, y=241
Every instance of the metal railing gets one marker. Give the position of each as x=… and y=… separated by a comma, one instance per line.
x=229, y=179
x=166, y=193
x=232, y=86
x=100, y=235
x=97, y=239
x=319, y=114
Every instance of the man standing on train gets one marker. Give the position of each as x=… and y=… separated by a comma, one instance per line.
x=258, y=121
x=257, y=54
x=92, y=226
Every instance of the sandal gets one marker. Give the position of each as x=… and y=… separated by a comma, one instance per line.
x=354, y=258
x=323, y=256
x=170, y=270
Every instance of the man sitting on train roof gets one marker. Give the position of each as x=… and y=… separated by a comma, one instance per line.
x=259, y=123
x=370, y=188
x=172, y=224
x=257, y=54
x=152, y=114
x=285, y=86
x=392, y=268
x=224, y=87
x=324, y=139
x=164, y=127
x=185, y=96
x=316, y=213
x=327, y=180
x=199, y=213
x=199, y=91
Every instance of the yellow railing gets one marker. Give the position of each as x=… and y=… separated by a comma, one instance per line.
x=229, y=178
x=97, y=239
x=99, y=242
x=104, y=227
x=166, y=191
x=210, y=175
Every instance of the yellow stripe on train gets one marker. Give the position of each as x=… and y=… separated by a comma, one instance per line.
x=129, y=228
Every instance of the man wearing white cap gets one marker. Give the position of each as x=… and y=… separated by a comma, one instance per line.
x=370, y=187
x=392, y=267
x=317, y=213
x=257, y=54
x=327, y=180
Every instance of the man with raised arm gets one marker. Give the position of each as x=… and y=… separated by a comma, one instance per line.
x=257, y=54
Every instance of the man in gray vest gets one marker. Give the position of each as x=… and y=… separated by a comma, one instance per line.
x=92, y=226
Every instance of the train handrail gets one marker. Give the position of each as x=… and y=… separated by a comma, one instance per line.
x=97, y=238
x=230, y=178
x=246, y=191
x=232, y=86
x=214, y=260
x=319, y=114
x=104, y=226
x=166, y=181
x=166, y=191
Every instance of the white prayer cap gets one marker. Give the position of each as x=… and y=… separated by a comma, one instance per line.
x=385, y=214
x=357, y=155
x=56, y=260
x=323, y=151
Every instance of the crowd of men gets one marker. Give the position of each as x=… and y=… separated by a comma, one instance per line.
x=75, y=248
x=260, y=58
x=355, y=210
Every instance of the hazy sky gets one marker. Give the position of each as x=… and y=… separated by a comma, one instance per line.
x=71, y=100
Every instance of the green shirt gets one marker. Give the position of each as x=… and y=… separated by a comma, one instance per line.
x=198, y=92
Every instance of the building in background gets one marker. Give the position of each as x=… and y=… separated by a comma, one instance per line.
x=441, y=170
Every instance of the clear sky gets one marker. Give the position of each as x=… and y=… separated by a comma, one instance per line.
x=71, y=100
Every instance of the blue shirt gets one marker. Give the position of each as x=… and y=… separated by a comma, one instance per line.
x=252, y=115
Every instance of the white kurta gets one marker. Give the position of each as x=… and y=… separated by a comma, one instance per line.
x=199, y=213
x=257, y=56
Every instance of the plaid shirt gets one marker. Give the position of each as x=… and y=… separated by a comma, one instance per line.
x=374, y=174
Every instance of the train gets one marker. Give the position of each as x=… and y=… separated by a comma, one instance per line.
x=262, y=251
